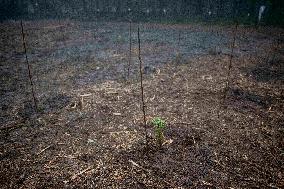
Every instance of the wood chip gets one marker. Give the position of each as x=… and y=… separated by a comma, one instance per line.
x=86, y=95
x=44, y=150
x=136, y=165
x=117, y=114
x=80, y=173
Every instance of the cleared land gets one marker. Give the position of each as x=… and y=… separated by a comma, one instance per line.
x=99, y=143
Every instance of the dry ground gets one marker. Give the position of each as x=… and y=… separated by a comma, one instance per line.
x=210, y=142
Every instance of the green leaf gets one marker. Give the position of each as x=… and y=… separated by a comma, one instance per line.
x=159, y=123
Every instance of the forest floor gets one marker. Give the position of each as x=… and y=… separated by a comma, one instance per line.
x=88, y=131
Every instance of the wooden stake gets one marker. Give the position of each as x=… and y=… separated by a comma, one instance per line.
x=179, y=39
x=230, y=61
x=141, y=84
x=29, y=67
x=130, y=48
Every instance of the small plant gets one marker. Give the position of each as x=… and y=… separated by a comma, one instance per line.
x=159, y=125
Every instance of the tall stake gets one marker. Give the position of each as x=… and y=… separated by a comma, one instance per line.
x=230, y=61
x=179, y=36
x=29, y=67
x=141, y=83
x=179, y=39
x=130, y=49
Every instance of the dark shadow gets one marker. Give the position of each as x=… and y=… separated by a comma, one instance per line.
x=55, y=103
x=271, y=70
x=186, y=156
x=246, y=99
x=27, y=111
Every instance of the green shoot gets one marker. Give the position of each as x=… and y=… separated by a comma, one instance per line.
x=159, y=126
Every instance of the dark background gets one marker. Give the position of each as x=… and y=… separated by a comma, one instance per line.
x=245, y=11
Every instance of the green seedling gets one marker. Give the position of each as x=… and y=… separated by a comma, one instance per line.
x=159, y=126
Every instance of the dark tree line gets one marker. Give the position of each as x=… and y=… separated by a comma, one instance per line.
x=176, y=10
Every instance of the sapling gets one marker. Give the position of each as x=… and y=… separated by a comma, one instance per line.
x=159, y=127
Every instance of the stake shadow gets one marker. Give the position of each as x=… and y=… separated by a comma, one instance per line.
x=271, y=70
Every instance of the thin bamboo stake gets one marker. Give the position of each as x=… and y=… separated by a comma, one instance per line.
x=141, y=84
x=179, y=39
x=130, y=48
x=29, y=67
x=230, y=61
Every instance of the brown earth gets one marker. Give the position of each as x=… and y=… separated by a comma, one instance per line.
x=210, y=142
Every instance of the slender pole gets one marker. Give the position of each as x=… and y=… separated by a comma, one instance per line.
x=179, y=36
x=29, y=67
x=179, y=39
x=230, y=61
x=141, y=84
x=130, y=48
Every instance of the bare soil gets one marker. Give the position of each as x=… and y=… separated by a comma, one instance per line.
x=88, y=131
